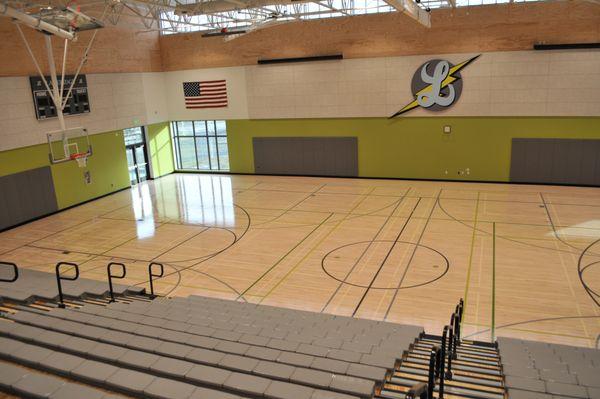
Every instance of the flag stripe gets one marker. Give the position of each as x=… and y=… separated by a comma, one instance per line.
x=205, y=106
x=210, y=102
x=212, y=85
x=206, y=98
x=212, y=91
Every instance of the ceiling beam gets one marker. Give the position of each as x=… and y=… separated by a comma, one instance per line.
x=412, y=9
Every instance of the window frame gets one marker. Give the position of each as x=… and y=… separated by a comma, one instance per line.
x=204, y=139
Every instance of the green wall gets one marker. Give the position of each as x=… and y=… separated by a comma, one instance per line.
x=107, y=166
x=416, y=147
x=160, y=149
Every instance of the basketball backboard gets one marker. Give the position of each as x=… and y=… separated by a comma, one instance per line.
x=69, y=145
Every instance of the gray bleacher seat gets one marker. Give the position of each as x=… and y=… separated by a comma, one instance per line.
x=545, y=371
x=225, y=347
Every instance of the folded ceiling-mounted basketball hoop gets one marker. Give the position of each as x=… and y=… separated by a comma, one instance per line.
x=64, y=22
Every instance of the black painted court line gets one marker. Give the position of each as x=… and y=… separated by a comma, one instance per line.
x=387, y=219
x=78, y=224
x=424, y=196
x=534, y=321
x=284, y=256
x=591, y=293
x=224, y=249
x=290, y=208
x=319, y=242
x=357, y=215
x=387, y=255
x=558, y=237
x=346, y=216
x=412, y=256
x=439, y=203
x=408, y=179
x=152, y=194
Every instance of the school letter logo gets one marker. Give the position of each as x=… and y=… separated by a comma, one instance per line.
x=436, y=85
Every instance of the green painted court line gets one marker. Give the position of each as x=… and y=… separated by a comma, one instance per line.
x=493, y=281
x=471, y=256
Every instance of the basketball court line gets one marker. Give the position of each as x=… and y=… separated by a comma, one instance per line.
x=480, y=229
x=387, y=255
x=385, y=222
x=387, y=312
x=284, y=256
x=470, y=262
x=321, y=240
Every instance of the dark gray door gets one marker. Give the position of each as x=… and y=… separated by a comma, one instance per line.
x=25, y=196
x=316, y=156
x=555, y=161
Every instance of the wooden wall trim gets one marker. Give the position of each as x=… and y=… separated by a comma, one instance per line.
x=506, y=27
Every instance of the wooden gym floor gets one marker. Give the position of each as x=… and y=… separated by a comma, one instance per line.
x=525, y=258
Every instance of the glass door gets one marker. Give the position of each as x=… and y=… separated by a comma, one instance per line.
x=135, y=149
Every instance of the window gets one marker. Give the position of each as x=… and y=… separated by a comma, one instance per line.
x=201, y=145
x=134, y=135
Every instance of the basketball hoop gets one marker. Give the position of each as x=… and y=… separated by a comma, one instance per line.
x=81, y=159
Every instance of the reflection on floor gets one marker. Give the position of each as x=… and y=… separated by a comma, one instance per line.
x=525, y=258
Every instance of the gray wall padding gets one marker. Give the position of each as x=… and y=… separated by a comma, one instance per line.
x=556, y=161
x=26, y=195
x=321, y=156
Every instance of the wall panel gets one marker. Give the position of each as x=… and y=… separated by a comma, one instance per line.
x=316, y=156
x=26, y=195
x=555, y=161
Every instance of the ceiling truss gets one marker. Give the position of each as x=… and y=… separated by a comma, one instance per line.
x=233, y=18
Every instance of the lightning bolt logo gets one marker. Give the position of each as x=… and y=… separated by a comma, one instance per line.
x=451, y=78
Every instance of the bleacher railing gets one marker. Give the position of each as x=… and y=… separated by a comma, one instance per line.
x=59, y=278
x=151, y=276
x=15, y=273
x=424, y=390
x=111, y=276
x=438, y=371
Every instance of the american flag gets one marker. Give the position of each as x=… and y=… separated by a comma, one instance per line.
x=205, y=94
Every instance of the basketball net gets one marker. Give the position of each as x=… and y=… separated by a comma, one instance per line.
x=81, y=159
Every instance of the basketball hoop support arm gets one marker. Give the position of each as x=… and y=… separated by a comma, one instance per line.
x=56, y=93
x=57, y=96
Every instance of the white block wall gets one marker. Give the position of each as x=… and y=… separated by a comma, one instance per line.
x=523, y=83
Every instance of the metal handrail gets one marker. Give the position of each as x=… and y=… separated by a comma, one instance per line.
x=15, y=271
x=457, y=327
x=450, y=351
x=111, y=276
x=59, y=278
x=442, y=365
x=434, y=359
x=424, y=390
x=151, y=275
